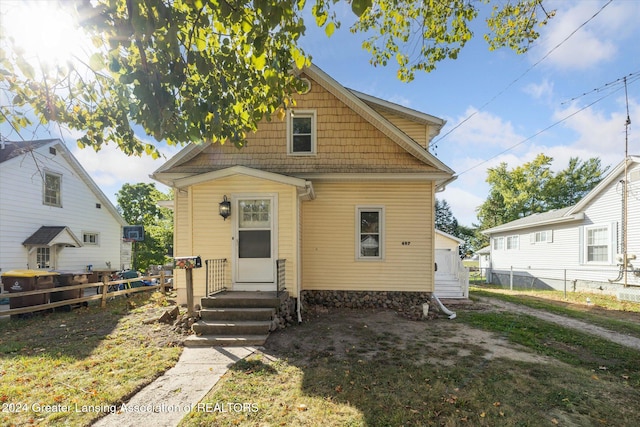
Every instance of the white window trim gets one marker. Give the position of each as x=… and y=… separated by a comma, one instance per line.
x=96, y=243
x=496, y=246
x=548, y=237
x=33, y=257
x=44, y=189
x=314, y=131
x=610, y=244
x=506, y=243
x=381, y=233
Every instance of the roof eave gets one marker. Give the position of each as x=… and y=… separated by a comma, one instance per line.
x=562, y=220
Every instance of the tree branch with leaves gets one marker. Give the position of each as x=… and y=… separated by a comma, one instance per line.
x=210, y=70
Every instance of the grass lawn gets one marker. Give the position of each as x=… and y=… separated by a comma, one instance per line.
x=58, y=368
x=483, y=369
x=338, y=368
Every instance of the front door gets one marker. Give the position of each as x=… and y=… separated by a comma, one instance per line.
x=255, y=245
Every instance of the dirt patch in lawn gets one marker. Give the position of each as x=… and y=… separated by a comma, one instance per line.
x=343, y=332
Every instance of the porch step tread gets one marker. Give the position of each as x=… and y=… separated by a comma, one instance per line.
x=233, y=314
x=213, y=302
x=224, y=340
x=234, y=322
x=231, y=327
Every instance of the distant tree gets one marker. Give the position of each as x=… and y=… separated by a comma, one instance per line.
x=138, y=204
x=445, y=221
x=573, y=183
x=468, y=234
x=533, y=188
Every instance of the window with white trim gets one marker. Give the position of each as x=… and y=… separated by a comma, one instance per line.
x=301, y=132
x=597, y=244
x=91, y=239
x=52, y=189
x=498, y=243
x=43, y=257
x=370, y=233
x=513, y=242
x=545, y=236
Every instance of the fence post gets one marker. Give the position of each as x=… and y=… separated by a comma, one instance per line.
x=105, y=287
x=511, y=278
x=163, y=288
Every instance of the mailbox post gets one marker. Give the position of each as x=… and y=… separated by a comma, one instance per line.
x=187, y=264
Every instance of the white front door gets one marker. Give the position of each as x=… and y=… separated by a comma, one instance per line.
x=255, y=243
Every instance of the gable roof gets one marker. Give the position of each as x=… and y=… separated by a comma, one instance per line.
x=375, y=118
x=175, y=169
x=53, y=235
x=570, y=213
x=19, y=148
x=13, y=149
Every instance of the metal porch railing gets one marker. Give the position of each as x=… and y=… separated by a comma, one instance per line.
x=216, y=275
x=281, y=276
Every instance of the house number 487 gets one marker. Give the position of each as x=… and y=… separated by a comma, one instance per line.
x=406, y=243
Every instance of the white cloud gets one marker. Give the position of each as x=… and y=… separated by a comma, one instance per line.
x=110, y=168
x=602, y=134
x=483, y=129
x=592, y=43
x=543, y=90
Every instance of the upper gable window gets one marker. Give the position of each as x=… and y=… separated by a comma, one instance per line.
x=52, y=189
x=301, y=132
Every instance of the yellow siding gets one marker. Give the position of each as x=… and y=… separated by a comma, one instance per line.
x=211, y=236
x=346, y=142
x=329, y=238
x=443, y=242
x=416, y=131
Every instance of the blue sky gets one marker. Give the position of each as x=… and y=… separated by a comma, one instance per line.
x=497, y=104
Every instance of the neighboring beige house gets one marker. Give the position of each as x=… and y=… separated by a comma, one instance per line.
x=343, y=189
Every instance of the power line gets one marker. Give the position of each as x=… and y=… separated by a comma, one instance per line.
x=537, y=133
x=520, y=76
x=629, y=78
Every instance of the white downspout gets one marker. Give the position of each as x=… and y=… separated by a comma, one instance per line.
x=307, y=193
x=445, y=310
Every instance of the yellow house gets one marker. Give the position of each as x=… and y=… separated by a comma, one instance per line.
x=341, y=191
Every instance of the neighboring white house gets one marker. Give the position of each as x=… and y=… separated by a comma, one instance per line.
x=484, y=258
x=451, y=276
x=578, y=247
x=52, y=214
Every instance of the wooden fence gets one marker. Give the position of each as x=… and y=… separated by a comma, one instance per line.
x=104, y=291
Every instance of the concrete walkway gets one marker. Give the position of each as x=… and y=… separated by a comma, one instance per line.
x=169, y=398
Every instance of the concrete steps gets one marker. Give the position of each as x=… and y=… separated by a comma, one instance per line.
x=235, y=319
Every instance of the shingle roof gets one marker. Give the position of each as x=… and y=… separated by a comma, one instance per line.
x=530, y=220
x=45, y=235
x=11, y=149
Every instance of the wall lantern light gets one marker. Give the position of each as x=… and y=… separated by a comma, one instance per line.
x=225, y=208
